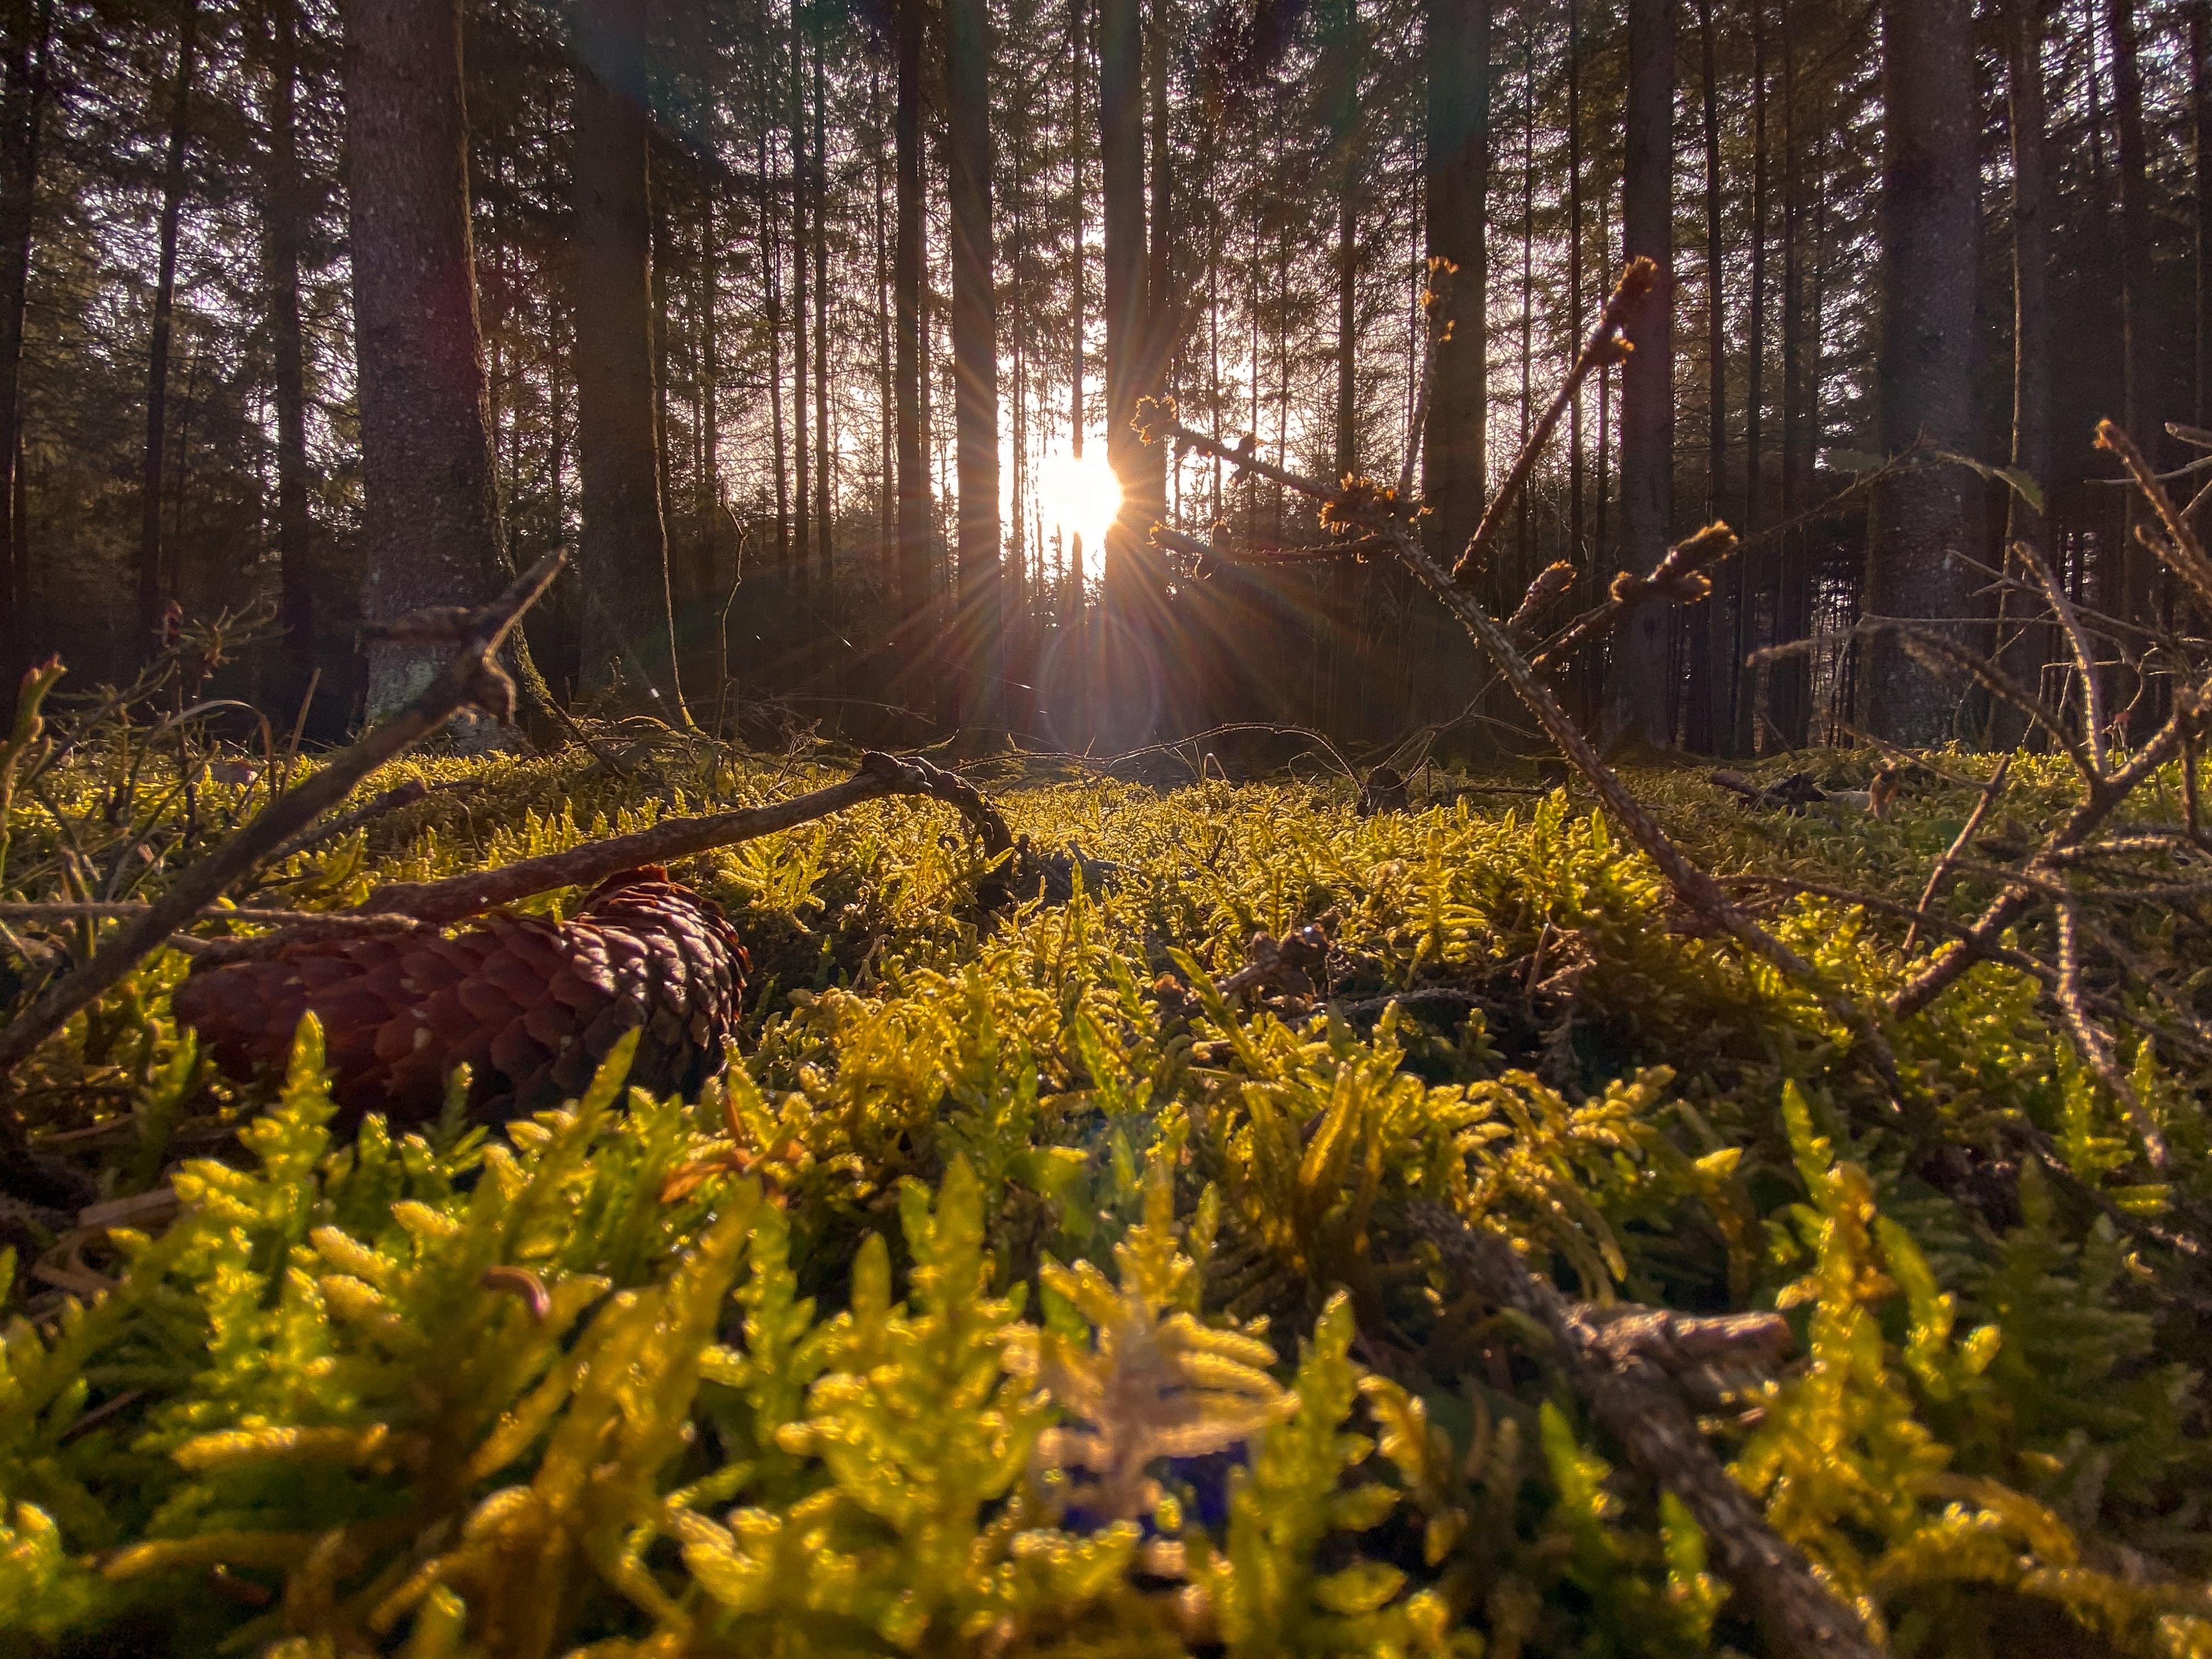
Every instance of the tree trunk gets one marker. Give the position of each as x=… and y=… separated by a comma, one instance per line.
x=1454, y=470
x=283, y=227
x=156, y=582
x=1576, y=312
x=430, y=526
x=886, y=400
x=1130, y=584
x=25, y=71
x=1756, y=576
x=801, y=405
x=980, y=635
x=622, y=557
x=1787, y=578
x=825, y=482
x=2200, y=109
x=772, y=304
x=1637, y=692
x=2139, y=327
x=1713, y=716
x=1917, y=521
x=2025, y=656
x=913, y=499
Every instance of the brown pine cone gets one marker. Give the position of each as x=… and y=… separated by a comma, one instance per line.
x=532, y=1005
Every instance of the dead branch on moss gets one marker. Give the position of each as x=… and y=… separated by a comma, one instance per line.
x=456, y=896
x=1635, y=1400
x=472, y=678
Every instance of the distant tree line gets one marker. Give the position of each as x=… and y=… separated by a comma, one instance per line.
x=785, y=319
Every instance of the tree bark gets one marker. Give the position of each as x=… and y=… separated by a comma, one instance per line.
x=1575, y=310
x=825, y=482
x=283, y=227
x=2024, y=657
x=980, y=635
x=801, y=405
x=430, y=524
x=1755, y=576
x=155, y=583
x=1917, y=521
x=1712, y=716
x=1131, y=577
x=2200, y=109
x=25, y=71
x=1637, y=691
x=622, y=553
x=2139, y=327
x=914, y=497
x=772, y=304
x=1454, y=451
x=1788, y=576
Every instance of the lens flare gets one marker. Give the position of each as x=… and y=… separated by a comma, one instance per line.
x=1078, y=495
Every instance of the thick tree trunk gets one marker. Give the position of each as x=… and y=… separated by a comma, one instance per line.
x=622, y=557
x=1755, y=576
x=1637, y=691
x=1455, y=451
x=980, y=634
x=2200, y=110
x=886, y=400
x=1788, y=574
x=825, y=455
x=283, y=225
x=1712, y=706
x=430, y=524
x=156, y=582
x=913, y=498
x=24, y=111
x=772, y=303
x=801, y=404
x=2139, y=326
x=2025, y=654
x=1917, y=521
x=1132, y=566
x=1577, y=313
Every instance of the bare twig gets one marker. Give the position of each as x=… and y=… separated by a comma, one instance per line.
x=2085, y=657
x=2095, y=1046
x=1960, y=843
x=1632, y=1398
x=456, y=896
x=473, y=676
x=1604, y=347
x=391, y=800
x=1679, y=575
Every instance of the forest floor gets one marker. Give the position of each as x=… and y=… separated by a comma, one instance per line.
x=1022, y=1289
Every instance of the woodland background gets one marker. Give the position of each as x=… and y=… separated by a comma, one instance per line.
x=1976, y=227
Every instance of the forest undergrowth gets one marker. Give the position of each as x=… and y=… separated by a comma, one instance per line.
x=1020, y=1289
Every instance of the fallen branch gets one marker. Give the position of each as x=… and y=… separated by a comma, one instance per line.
x=472, y=678
x=464, y=895
x=1960, y=843
x=1634, y=1401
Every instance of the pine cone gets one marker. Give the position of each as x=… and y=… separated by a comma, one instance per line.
x=532, y=1005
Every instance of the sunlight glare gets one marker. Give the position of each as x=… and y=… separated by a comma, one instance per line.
x=1078, y=495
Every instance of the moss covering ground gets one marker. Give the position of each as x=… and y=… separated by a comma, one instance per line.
x=1006, y=1302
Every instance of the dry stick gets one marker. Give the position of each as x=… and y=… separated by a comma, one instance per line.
x=1603, y=347
x=2102, y=798
x=456, y=896
x=1935, y=920
x=1634, y=1402
x=391, y=800
x=1959, y=846
x=1675, y=576
x=1698, y=891
x=128, y=910
x=2085, y=657
x=2097, y=1048
x=473, y=676
x=2184, y=555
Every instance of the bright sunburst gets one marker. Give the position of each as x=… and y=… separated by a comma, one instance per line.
x=1078, y=495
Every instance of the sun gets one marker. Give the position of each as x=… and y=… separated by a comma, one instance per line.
x=1079, y=496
